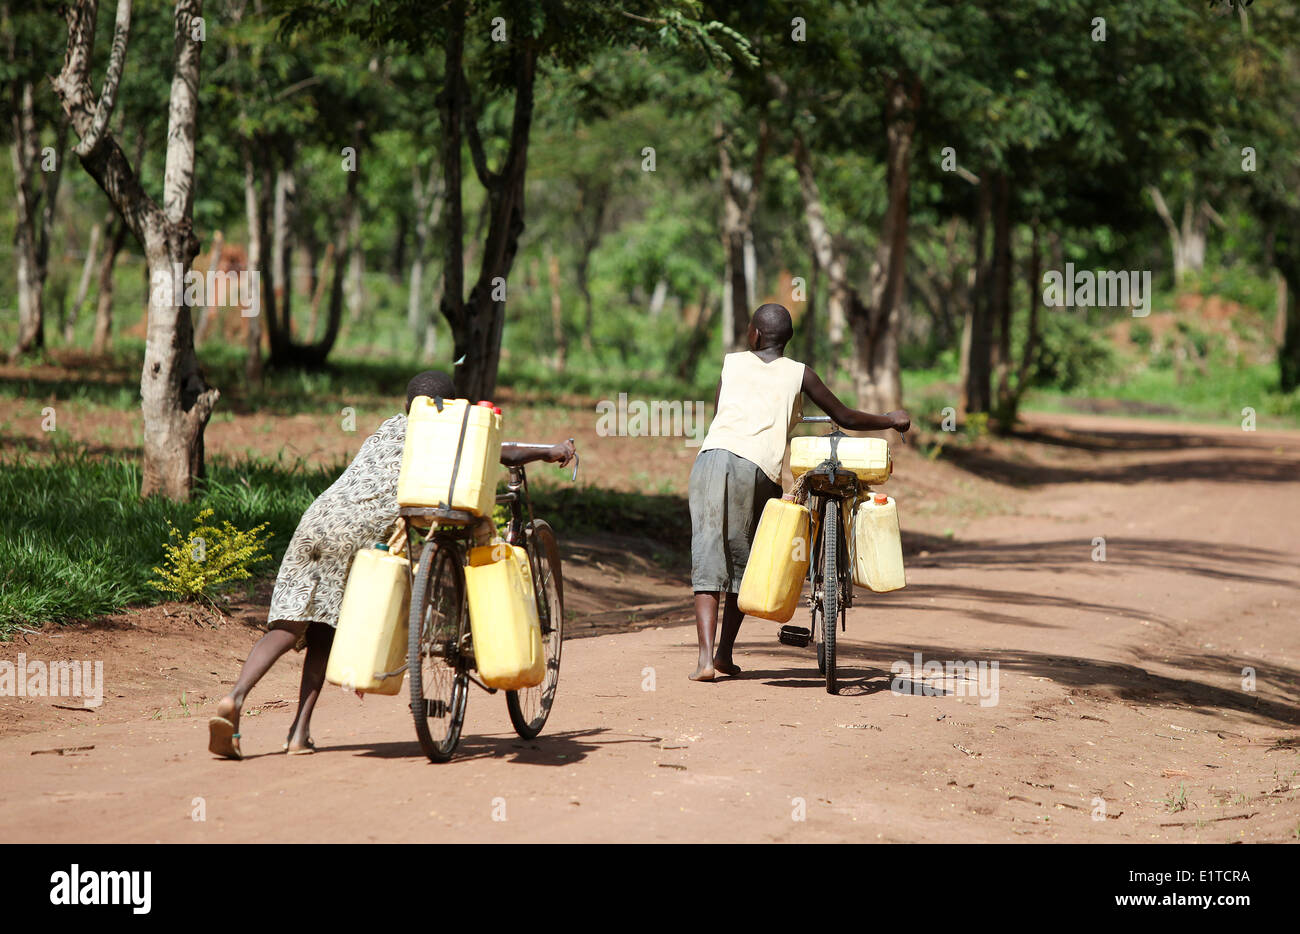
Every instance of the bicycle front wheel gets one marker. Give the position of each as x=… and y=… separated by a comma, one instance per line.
x=830, y=593
x=436, y=657
x=530, y=707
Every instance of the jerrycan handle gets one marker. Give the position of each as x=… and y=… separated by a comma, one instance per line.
x=455, y=466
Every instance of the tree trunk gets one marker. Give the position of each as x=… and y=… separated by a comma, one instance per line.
x=1289, y=355
x=34, y=210
x=1010, y=396
x=557, y=311
x=354, y=295
x=696, y=340
x=740, y=190
x=976, y=343
x=658, y=298
x=176, y=400
x=477, y=321
x=1186, y=240
x=282, y=261
x=83, y=283
x=810, y=315
x=591, y=223
x=875, y=369
x=318, y=288
x=210, y=311
x=104, y=300
x=839, y=293
x=256, y=224
x=1001, y=284
x=1287, y=259
x=427, y=204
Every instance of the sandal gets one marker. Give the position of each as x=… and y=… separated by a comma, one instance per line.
x=222, y=739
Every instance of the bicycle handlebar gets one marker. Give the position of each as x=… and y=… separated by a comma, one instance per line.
x=530, y=444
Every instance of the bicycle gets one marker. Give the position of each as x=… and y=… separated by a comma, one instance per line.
x=827, y=483
x=440, y=655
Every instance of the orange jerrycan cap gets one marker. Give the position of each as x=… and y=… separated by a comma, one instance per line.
x=881, y=499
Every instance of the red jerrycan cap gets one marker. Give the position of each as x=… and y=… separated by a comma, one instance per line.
x=485, y=403
x=881, y=499
x=496, y=410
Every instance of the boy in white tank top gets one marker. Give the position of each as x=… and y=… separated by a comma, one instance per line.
x=738, y=469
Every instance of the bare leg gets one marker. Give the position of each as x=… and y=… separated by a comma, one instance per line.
x=264, y=654
x=731, y=620
x=319, y=639
x=706, y=628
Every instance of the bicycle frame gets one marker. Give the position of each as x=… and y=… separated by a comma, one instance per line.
x=521, y=519
x=828, y=483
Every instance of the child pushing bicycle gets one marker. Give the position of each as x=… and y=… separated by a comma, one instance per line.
x=758, y=403
x=360, y=508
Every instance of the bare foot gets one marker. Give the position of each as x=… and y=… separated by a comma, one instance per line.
x=703, y=673
x=726, y=666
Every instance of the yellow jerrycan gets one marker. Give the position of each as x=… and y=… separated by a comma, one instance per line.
x=503, y=617
x=878, y=546
x=370, y=643
x=452, y=455
x=778, y=562
x=867, y=458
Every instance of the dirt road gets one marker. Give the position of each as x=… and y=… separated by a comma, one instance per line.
x=1124, y=708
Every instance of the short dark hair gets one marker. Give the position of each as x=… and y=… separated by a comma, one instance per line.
x=773, y=322
x=432, y=383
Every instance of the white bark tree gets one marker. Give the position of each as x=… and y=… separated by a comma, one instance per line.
x=37, y=172
x=176, y=400
x=1186, y=239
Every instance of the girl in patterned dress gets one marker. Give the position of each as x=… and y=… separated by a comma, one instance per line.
x=359, y=509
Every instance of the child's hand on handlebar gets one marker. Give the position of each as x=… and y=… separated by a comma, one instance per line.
x=562, y=453
x=901, y=420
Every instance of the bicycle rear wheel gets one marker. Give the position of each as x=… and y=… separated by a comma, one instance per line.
x=530, y=707
x=831, y=593
x=436, y=659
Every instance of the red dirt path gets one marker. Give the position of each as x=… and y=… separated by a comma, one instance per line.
x=1120, y=681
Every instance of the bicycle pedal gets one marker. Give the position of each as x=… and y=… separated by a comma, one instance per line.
x=794, y=635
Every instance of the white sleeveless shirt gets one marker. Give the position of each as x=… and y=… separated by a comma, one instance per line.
x=758, y=408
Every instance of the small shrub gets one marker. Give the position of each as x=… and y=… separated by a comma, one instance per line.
x=210, y=556
x=976, y=425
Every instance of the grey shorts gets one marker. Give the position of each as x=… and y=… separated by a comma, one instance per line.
x=727, y=496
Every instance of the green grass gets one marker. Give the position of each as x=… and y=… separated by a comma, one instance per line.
x=1217, y=395
x=661, y=517
x=76, y=540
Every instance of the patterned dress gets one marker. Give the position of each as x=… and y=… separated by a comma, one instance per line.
x=359, y=509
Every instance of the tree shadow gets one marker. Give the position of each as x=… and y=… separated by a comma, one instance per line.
x=1258, y=468
x=1074, y=554
x=1104, y=681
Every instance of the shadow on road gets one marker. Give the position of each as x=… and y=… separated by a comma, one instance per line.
x=562, y=748
x=865, y=669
